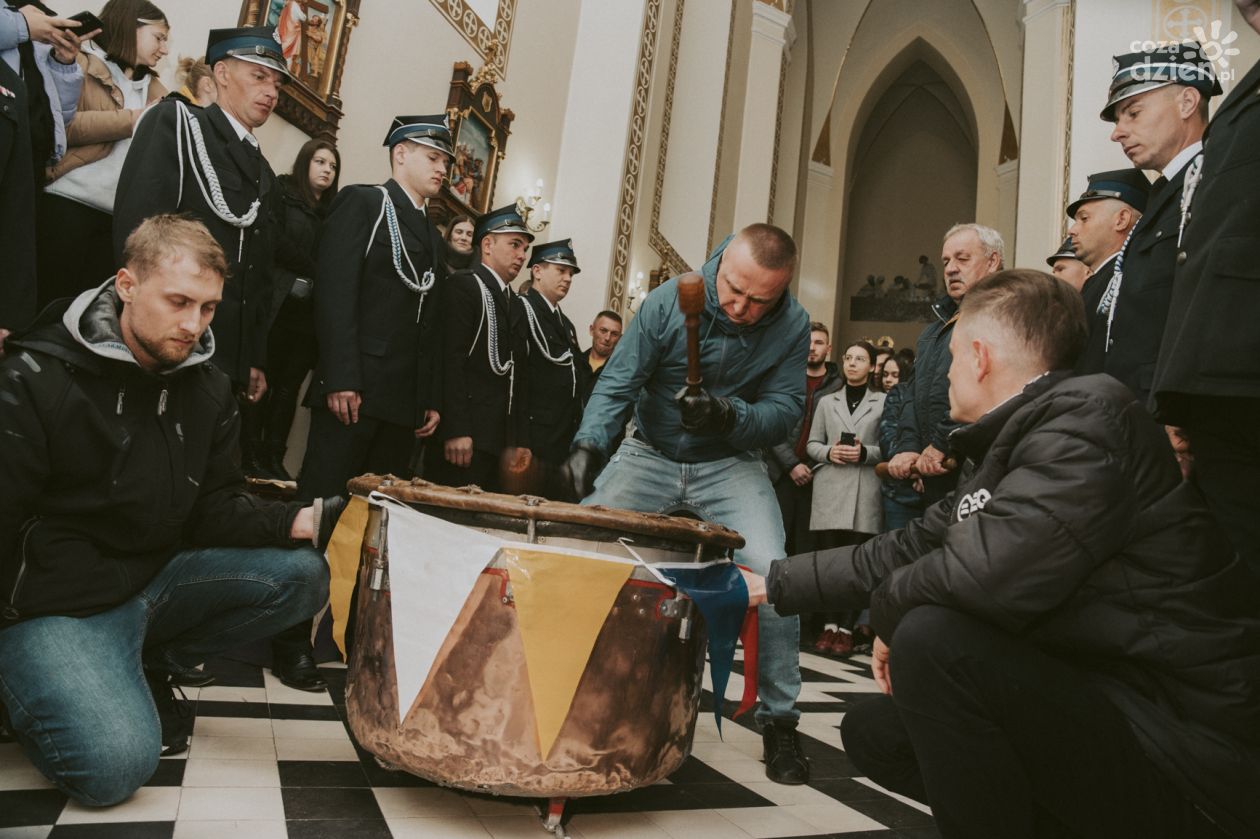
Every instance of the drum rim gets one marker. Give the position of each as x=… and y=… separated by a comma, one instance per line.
x=528, y=507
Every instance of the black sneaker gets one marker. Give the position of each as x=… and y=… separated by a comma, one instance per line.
x=174, y=713
x=785, y=763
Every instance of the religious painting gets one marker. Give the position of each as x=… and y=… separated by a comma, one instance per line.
x=314, y=36
x=472, y=171
x=479, y=129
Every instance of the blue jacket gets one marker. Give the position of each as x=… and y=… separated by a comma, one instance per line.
x=758, y=367
x=925, y=413
x=894, y=402
x=62, y=82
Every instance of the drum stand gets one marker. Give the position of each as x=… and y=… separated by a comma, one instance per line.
x=551, y=820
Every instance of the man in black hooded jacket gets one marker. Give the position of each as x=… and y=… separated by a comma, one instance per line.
x=1067, y=643
x=127, y=539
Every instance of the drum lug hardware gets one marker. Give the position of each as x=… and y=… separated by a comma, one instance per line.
x=531, y=531
x=508, y=598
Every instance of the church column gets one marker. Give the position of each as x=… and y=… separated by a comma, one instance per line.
x=816, y=287
x=771, y=35
x=1045, y=130
x=605, y=118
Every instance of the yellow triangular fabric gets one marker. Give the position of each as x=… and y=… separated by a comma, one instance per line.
x=343, y=564
x=561, y=604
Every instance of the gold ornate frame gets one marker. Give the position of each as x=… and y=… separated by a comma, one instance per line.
x=314, y=105
x=473, y=97
x=490, y=43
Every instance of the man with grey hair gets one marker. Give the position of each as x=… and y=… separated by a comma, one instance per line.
x=970, y=252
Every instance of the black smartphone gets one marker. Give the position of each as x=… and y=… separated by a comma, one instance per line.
x=88, y=22
x=848, y=438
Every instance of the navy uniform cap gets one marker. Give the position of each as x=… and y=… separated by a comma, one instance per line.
x=1065, y=251
x=559, y=252
x=1128, y=185
x=1138, y=72
x=255, y=44
x=503, y=220
x=433, y=130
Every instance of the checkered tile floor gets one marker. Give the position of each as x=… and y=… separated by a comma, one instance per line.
x=267, y=761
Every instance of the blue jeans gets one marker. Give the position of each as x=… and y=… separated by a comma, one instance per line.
x=75, y=688
x=735, y=492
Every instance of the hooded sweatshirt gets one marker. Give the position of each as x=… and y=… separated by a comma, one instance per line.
x=107, y=470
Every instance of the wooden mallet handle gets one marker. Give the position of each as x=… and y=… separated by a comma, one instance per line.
x=691, y=304
x=881, y=469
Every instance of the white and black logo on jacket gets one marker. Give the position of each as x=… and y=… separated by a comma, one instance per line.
x=973, y=502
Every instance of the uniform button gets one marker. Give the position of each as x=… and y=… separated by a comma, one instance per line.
x=1181, y=258
x=1158, y=233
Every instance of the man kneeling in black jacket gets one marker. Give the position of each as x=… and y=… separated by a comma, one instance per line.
x=129, y=548
x=1066, y=644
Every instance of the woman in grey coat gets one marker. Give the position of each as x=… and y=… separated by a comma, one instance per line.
x=847, y=508
x=846, y=489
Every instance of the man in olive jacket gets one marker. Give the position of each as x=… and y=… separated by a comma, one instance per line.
x=1067, y=644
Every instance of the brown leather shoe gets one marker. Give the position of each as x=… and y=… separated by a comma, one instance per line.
x=825, y=640
x=842, y=644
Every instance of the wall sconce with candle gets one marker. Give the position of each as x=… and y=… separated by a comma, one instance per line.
x=527, y=206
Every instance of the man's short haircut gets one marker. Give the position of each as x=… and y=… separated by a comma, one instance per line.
x=1042, y=310
x=608, y=313
x=819, y=326
x=170, y=235
x=772, y=248
x=989, y=238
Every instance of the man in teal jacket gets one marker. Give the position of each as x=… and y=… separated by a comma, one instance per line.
x=703, y=453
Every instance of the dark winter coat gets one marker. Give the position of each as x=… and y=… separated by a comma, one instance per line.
x=1072, y=528
x=296, y=238
x=781, y=458
x=107, y=470
x=1211, y=346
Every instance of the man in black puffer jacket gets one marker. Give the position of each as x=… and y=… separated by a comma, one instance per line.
x=1067, y=643
x=127, y=538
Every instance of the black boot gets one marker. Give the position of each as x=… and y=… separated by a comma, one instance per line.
x=173, y=712
x=180, y=674
x=785, y=763
x=273, y=464
x=297, y=670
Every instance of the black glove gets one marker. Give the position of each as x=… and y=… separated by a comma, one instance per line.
x=580, y=469
x=327, y=511
x=706, y=413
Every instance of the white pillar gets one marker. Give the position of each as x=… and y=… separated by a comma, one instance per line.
x=1008, y=195
x=598, y=118
x=816, y=285
x=770, y=30
x=1044, y=130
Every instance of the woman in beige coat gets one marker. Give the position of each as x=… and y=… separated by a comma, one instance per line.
x=847, y=507
x=76, y=211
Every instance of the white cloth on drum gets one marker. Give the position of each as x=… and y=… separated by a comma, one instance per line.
x=433, y=566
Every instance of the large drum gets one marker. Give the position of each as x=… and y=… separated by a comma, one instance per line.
x=473, y=725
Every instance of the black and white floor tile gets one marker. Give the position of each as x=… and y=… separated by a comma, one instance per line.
x=266, y=761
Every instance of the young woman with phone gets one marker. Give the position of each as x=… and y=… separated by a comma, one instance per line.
x=75, y=212
x=846, y=502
